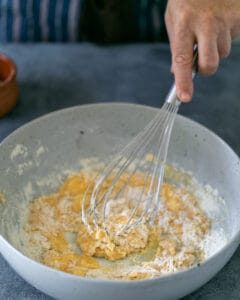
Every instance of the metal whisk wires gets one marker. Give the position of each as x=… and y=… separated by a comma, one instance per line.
x=153, y=139
x=112, y=183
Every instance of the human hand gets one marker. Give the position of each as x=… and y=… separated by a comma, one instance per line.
x=212, y=24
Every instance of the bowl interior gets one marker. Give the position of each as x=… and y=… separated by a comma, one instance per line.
x=33, y=160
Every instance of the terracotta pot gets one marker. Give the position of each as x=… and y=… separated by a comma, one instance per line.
x=8, y=85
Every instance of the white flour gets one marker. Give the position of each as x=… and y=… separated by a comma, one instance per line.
x=19, y=150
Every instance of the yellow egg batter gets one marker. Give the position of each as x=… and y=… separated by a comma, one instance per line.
x=54, y=226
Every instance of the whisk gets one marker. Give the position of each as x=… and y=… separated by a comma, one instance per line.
x=153, y=139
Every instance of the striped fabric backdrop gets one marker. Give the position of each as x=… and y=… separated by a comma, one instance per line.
x=59, y=20
x=39, y=20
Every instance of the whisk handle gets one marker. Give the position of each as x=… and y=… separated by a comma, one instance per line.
x=172, y=95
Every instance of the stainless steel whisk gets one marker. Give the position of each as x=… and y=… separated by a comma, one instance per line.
x=153, y=139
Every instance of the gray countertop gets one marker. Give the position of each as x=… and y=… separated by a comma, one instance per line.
x=52, y=77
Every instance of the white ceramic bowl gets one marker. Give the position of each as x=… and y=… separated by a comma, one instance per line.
x=57, y=141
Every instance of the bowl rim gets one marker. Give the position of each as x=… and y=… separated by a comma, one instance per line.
x=162, y=278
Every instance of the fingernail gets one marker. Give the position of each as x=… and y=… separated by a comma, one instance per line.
x=185, y=97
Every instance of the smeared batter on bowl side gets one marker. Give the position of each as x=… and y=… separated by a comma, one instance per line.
x=2, y=198
x=55, y=229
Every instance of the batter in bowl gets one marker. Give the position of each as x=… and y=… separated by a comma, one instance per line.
x=59, y=239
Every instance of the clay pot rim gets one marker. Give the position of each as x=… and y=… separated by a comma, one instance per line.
x=13, y=69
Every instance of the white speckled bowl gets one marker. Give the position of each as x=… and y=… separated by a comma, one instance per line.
x=57, y=141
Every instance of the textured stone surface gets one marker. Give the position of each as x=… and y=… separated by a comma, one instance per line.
x=56, y=76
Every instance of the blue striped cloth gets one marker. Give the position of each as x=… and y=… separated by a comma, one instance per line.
x=59, y=20
x=40, y=20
